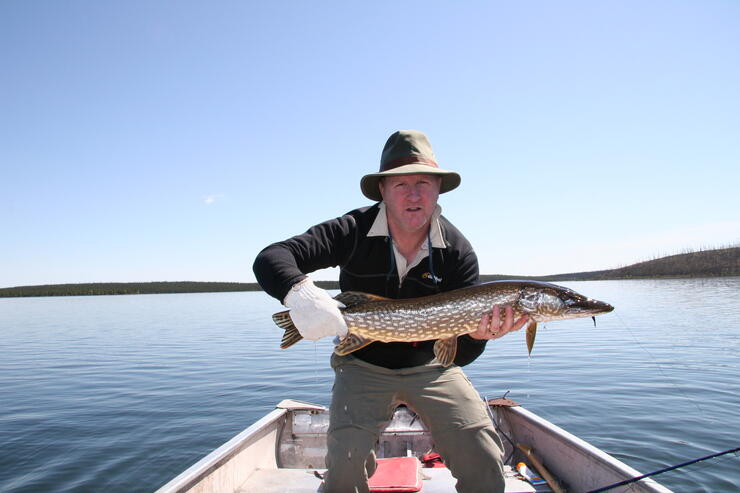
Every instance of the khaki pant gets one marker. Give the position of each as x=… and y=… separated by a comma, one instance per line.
x=363, y=400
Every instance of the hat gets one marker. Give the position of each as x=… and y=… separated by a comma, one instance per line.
x=407, y=152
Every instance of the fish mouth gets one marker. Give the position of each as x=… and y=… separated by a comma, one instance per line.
x=590, y=306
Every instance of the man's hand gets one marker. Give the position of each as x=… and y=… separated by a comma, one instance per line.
x=314, y=312
x=492, y=327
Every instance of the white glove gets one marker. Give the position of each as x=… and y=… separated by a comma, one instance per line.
x=314, y=312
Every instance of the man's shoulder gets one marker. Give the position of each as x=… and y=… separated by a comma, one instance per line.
x=453, y=237
x=363, y=215
x=370, y=209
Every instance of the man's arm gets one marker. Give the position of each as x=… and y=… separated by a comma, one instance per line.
x=281, y=270
x=282, y=265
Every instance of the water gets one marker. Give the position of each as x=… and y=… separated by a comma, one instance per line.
x=121, y=393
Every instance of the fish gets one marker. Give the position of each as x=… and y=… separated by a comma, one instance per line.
x=445, y=316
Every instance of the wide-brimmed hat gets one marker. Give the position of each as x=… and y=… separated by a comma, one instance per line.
x=407, y=152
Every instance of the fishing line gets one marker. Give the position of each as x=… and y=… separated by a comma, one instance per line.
x=498, y=428
x=660, y=368
x=315, y=365
x=542, y=328
x=685, y=396
x=661, y=471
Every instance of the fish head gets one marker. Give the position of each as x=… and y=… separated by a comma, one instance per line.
x=552, y=302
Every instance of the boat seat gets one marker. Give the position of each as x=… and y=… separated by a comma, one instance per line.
x=396, y=474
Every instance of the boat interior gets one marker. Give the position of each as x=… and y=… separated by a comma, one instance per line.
x=284, y=453
x=301, y=447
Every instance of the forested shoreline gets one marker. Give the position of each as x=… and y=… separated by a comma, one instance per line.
x=707, y=263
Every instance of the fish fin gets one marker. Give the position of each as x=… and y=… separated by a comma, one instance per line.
x=531, y=333
x=291, y=335
x=352, y=298
x=351, y=343
x=445, y=350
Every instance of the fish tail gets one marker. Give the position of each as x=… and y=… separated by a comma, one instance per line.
x=291, y=335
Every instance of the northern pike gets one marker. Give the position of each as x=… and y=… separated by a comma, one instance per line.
x=445, y=316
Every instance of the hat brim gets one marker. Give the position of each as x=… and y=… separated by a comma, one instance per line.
x=369, y=183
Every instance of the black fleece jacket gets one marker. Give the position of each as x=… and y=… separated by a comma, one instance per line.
x=366, y=265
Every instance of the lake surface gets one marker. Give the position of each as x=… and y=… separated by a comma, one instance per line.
x=122, y=393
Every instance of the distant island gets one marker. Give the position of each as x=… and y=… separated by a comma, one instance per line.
x=706, y=263
x=721, y=262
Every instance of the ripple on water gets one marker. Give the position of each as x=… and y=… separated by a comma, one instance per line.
x=121, y=393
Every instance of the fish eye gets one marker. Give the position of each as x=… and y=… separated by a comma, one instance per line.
x=568, y=297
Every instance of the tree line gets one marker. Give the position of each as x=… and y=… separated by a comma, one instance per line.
x=705, y=263
x=721, y=262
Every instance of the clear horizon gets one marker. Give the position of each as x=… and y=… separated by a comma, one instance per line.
x=325, y=277
x=165, y=142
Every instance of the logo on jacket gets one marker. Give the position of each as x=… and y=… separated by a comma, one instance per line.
x=429, y=275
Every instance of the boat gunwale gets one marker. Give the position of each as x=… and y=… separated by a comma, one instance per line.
x=587, y=449
x=220, y=456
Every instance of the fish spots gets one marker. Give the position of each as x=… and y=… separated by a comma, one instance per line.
x=456, y=312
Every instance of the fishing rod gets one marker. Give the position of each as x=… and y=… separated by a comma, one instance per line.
x=661, y=471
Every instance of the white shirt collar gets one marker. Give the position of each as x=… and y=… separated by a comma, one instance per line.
x=380, y=227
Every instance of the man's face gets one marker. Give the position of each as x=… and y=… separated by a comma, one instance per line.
x=410, y=200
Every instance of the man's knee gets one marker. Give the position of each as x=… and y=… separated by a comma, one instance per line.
x=475, y=458
x=350, y=460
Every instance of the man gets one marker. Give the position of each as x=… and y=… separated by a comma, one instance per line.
x=401, y=247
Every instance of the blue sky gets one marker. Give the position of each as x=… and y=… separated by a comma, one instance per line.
x=166, y=141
